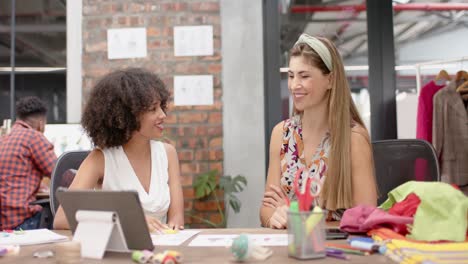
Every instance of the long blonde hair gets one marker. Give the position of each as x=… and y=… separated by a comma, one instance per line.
x=337, y=191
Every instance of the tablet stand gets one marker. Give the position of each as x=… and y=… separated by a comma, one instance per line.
x=99, y=231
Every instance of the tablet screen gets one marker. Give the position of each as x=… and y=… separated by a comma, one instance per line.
x=125, y=203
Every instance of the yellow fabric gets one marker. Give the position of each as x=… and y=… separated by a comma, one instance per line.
x=410, y=252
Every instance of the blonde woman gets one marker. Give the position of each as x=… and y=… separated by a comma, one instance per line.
x=325, y=138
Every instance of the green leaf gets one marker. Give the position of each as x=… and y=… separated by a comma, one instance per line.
x=239, y=183
x=225, y=184
x=205, y=184
x=235, y=203
x=199, y=193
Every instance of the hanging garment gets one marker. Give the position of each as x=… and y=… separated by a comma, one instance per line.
x=450, y=135
x=441, y=215
x=425, y=109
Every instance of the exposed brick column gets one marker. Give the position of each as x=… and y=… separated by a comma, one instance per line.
x=196, y=131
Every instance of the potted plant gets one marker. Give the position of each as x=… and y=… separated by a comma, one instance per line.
x=206, y=185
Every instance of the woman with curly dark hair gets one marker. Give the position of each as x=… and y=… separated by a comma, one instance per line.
x=124, y=115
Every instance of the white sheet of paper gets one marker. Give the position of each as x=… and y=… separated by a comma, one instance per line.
x=173, y=239
x=125, y=43
x=193, y=41
x=31, y=237
x=226, y=240
x=193, y=90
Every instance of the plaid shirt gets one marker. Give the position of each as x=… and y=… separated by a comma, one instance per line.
x=25, y=157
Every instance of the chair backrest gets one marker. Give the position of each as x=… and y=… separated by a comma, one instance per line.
x=400, y=160
x=63, y=174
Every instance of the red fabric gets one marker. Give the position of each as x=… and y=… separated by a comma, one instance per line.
x=425, y=107
x=407, y=207
x=25, y=157
x=361, y=219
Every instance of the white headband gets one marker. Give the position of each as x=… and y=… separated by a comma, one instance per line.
x=318, y=47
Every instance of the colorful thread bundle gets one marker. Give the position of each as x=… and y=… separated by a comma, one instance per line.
x=9, y=250
x=167, y=257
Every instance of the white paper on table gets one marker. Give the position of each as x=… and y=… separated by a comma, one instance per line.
x=193, y=41
x=173, y=239
x=126, y=43
x=193, y=90
x=226, y=240
x=32, y=237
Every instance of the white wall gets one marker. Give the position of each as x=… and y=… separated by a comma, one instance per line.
x=243, y=107
x=407, y=105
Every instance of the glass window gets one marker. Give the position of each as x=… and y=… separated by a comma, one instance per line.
x=435, y=34
x=345, y=26
x=40, y=54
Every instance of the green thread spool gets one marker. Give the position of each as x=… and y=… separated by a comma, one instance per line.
x=240, y=247
x=138, y=256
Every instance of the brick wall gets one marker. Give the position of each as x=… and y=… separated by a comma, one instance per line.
x=195, y=131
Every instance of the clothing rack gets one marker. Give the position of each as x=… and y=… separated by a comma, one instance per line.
x=436, y=62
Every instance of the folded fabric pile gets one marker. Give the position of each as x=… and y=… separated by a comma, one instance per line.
x=441, y=214
x=403, y=251
x=426, y=211
x=421, y=222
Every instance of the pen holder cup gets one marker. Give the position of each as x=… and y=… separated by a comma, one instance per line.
x=306, y=235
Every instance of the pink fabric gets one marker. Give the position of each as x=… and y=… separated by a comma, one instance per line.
x=361, y=219
x=425, y=107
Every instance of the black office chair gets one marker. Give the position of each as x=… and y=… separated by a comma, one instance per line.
x=401, y=160
x=63, y=174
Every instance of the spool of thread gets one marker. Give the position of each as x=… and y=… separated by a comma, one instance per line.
x=142, y=256
x=68, y=252
x=365, y=245
x=240, y=248
x=9, y=250
x=362, y=239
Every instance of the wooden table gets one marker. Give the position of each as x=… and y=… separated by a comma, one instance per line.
x=195, y=254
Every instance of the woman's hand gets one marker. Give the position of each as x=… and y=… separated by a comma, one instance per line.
x=154, y=225
x=274, y=198
x=175, y=226
x=279, y=219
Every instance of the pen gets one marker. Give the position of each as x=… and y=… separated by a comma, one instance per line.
x=352, y=251
x=338, y=256
x=334, y=251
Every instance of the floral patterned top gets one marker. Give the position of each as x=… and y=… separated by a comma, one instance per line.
x=292, y=160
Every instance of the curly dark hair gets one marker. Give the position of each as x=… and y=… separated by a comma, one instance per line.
x=112, y=112
x=30, y=106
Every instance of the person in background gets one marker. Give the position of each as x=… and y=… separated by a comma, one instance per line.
x=325, y=138
x=124, y=116
x=26, y=156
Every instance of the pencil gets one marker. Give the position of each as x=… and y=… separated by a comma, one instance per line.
x=346, y=246
x=351, y=251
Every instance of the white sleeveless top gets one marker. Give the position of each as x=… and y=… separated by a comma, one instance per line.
x=120, y=176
